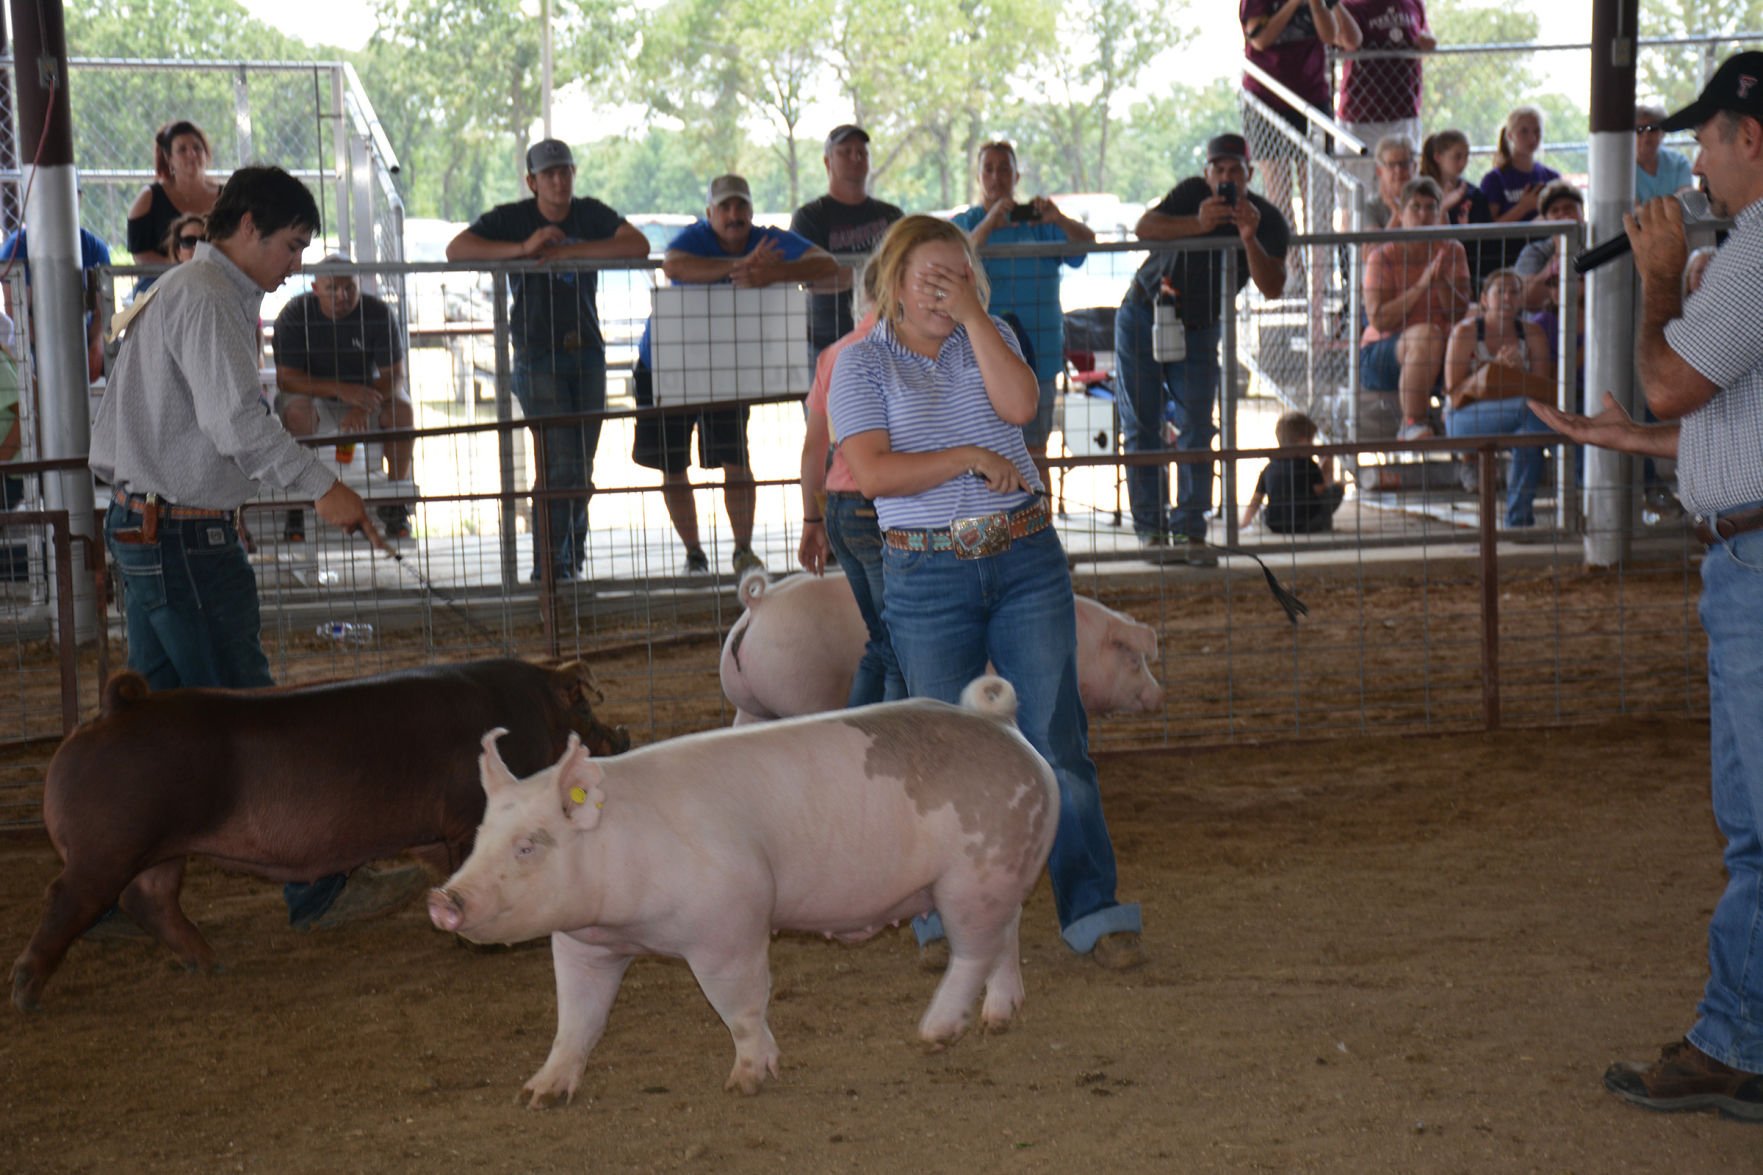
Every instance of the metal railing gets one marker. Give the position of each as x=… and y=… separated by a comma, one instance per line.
x=479, y=477
x=312, y=118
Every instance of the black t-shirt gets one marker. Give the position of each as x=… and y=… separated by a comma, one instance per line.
x=346, y=349
x=548, y=309
x=1197, y=274
x=840, y=228
x=1292, y=489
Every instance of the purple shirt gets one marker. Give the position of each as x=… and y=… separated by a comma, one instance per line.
x=1504, y=186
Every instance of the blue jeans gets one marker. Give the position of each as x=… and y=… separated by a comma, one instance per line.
x=947, y=616
x=190, y=602
x=563, y=383
x=1187, y=390
x=1483, y=418
x=1729, y=1020
x=856, y=540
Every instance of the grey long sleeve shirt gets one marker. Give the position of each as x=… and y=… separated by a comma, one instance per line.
x=182, y=417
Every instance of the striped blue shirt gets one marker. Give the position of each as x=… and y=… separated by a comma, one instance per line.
x=925, y=405
x=1720, y=444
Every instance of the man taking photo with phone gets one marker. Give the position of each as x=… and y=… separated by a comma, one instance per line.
x=1216, y=204
x=1025, y=290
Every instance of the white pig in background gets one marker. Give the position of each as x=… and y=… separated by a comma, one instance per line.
x=699, y=847
x=795, y=648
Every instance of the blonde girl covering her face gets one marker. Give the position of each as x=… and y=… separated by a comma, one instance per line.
x=891, y=282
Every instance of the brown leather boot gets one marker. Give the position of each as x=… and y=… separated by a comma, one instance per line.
x=1686, y=1078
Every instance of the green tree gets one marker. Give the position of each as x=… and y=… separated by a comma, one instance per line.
x=115, y=109
x=927, y=76
x=1163, y=140
x=1104, y=47
x=1674, y=74
x=472, y=68
x=1473, y=92
x=706, y=60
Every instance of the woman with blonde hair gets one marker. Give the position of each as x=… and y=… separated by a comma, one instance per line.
x=1516, y=181
x=181, y=156
x=929, y=409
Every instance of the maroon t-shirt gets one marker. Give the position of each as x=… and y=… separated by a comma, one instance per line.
x=1384, y=89
x=1297, y=58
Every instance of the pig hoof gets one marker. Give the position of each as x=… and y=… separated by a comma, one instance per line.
x=746, y=1080
x=543, y=1099
x=25, y=992
x=990, y=1026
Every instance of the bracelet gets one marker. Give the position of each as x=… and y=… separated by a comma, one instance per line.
x=812, y=521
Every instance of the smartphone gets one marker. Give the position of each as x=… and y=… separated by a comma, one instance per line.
x=1024, y=213
x=1227, y=192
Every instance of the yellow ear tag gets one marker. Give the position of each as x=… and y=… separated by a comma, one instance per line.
x=578, y=795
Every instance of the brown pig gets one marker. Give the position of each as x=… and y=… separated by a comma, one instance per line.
x=288, y=784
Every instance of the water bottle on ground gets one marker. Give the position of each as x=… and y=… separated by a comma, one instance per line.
x=1169, y=338
x=345, y=632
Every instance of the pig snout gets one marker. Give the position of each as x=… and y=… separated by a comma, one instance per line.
x=445, y=911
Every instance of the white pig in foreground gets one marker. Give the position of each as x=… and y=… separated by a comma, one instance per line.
x=796, y=646
x=699, y=847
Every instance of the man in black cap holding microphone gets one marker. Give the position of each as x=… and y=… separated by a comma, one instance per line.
x=1701, y=362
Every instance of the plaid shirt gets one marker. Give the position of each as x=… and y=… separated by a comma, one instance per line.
x=1720, y=444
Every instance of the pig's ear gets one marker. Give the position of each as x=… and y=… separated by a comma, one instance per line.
x=491, y=770
x=1140, y=638
x=578, y=786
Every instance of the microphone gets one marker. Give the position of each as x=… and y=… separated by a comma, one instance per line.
x=1695, y=209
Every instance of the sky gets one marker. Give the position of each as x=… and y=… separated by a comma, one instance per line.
x=1213, y=53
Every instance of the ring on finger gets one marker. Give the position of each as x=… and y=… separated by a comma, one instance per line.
x=940, y=295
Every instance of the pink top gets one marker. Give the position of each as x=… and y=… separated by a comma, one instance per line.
x=838, y=475
x=1389, y=270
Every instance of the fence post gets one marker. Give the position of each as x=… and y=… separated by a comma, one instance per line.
x=1490, y=589
x=505, y=435
x=1227, y=491
x=345, y=228
x=242, y=113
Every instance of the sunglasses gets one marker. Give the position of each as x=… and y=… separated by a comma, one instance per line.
x=189, y=242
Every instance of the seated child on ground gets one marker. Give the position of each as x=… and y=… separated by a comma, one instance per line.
x=1300, y=493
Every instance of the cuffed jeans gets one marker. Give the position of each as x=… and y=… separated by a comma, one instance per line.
x=1481, y=418
x=564, y=383
x=856, y=542
x=1188, y=390
x=947, y=616
x=190, y=602
x=1729, y=1023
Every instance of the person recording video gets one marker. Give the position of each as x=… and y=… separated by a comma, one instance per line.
x=1025, y=290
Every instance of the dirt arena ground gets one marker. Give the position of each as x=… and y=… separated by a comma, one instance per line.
x=1373, y=955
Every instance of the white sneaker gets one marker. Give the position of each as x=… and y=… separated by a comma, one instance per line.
x=1416, y=430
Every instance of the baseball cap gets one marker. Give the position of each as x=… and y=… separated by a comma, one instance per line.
x=839, y=134
x=730, y=187
x=1227, y=146
x=1736, y=86
x=546, y=154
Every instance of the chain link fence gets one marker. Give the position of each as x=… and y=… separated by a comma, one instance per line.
x=314, y=119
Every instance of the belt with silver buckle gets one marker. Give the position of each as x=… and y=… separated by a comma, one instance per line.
x=1717, y=528
x=977, y=537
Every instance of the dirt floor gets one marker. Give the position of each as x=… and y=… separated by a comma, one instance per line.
x=1370, y=955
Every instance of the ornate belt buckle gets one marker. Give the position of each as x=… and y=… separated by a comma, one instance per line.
x=977, y=538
